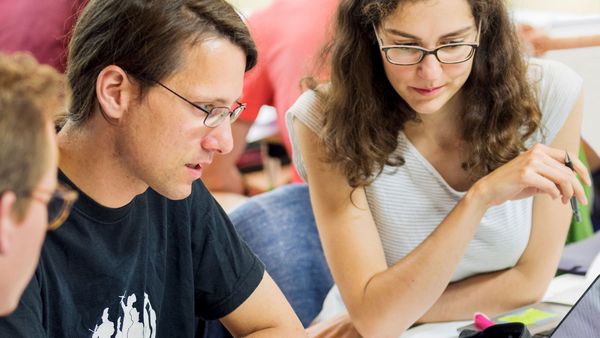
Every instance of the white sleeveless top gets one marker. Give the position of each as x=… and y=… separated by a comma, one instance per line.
x=408, y=202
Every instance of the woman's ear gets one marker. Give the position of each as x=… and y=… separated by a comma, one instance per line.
x=114, y=92
x=7, y=222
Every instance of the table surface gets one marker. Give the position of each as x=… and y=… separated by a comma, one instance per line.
x=566, y=289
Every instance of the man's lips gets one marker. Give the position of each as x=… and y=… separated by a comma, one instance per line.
x=197, y=166
x=195, y=169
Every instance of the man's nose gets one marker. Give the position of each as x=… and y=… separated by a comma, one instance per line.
x=219, y=139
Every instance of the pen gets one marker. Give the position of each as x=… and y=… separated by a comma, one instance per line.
x=482, y=321
x=574, y=205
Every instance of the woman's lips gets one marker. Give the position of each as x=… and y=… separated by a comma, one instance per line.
x=428, y=91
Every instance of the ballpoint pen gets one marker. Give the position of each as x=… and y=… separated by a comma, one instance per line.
x=574, y=205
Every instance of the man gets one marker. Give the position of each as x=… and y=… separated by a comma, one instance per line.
x=28, y=159
x=146, y=249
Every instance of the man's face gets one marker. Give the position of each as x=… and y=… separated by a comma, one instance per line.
x=25, y=237
x=164, y=141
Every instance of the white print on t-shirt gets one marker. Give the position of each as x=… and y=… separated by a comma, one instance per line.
x=129, y=324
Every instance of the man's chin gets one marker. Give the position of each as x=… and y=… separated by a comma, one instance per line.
x=175, y=193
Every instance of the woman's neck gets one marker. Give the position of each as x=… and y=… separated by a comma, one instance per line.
x=442, y=128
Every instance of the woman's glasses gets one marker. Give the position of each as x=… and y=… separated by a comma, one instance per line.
x=408, y=55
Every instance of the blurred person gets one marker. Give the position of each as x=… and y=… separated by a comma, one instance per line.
x=41, y=27
x=538, y=42
x=31, y=201
x=154, y=87
x=288, y=36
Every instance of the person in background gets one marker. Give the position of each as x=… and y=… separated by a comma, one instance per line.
x=538, y=42
x=435, y=161
x=146, y=250
x=31, y=201
x=40, y=27
x=288, y=36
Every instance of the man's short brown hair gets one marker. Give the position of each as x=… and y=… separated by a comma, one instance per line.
x=145, y=38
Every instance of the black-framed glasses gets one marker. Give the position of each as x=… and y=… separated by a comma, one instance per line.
x=407, y=55
x=214, y=115
x=58, y=202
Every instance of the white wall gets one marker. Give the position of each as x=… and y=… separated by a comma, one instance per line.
x=564, y=6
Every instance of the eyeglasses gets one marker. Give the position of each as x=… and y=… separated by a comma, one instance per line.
x=59, y=204
x=406, y=55
x=214, y=115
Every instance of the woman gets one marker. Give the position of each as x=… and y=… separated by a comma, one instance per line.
x=435, y=163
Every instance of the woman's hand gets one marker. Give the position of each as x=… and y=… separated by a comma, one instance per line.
x=539, y=170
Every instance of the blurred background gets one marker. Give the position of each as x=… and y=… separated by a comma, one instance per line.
x=574, y=6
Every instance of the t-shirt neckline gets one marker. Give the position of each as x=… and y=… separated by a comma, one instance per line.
x=89, y=207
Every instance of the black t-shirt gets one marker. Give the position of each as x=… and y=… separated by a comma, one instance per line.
x=147, y=269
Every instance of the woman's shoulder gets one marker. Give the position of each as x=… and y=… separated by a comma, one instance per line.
x=557, y=88
x=549, y=73
x=310, y=107
x=311, y=100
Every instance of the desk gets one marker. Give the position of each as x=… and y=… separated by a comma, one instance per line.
x=566, y=288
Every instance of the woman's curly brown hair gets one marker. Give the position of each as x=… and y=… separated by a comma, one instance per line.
x=364, y=114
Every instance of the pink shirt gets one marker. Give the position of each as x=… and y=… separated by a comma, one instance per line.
x=289, y=35
x=41, y=27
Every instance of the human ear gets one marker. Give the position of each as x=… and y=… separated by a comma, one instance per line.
x=7, y=203
x=114, y=92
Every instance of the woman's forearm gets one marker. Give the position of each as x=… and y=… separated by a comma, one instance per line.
x=576, y=42
x=491, y=293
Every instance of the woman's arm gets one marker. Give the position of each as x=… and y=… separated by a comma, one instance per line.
x=385, y=301
x=525, y=283
x=540, y=42
x=575, y=42
x=381, y=301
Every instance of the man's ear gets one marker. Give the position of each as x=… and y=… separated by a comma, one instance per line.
x=114, y=92
x=7, y=203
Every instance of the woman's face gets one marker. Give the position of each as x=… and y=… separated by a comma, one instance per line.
x=429, y=85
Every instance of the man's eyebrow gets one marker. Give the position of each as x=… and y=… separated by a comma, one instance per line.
x=414, y=37
x=220, y=101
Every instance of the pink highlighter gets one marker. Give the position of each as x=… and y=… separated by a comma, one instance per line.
x=482, y=321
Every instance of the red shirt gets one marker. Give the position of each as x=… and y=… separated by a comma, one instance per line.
x=288, y=35
x=41, y=27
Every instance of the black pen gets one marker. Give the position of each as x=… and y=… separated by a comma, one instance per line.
x=574, y=205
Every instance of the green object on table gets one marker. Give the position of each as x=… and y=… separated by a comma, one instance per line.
x=584, y=228
x=528, y=317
